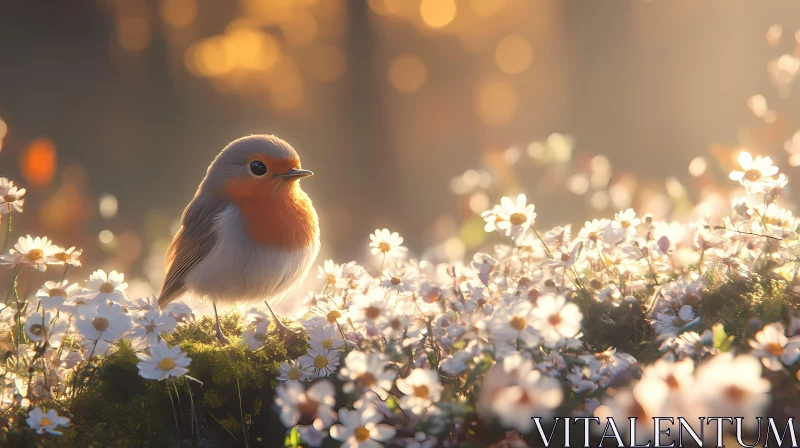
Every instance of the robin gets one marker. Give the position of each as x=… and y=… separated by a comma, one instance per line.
x=249, y=234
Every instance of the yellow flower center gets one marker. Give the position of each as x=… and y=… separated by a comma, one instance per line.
x=421, y=391
x=752, y=175
x=327, y=343
x=396, y=281
x=385, y=247
x=107, y=288
x=45, y=422
x=518, y=323
x=517, y=219
x=166, y=364
x=61, y=256
x=554, y=319
x=34, y=254
x=773, y=348
x=372, y=312
x=734, y=393
x=57, y=292
x=361, y=434
x=100, y=323
x=320, y=362
x=333, y=316
x=330, y=278
x=294, y=374
x=367, y=379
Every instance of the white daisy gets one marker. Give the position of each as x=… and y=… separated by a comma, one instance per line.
x=556, y=319
x=421, y=388
x=180, y=311
x=162, y=362
x=52, y=295
x=513, y=322
x=756, y=173
x=331, y=274
x=319, y=360
x=292, y=371
x=315, y=403
x=10, y=197
x=30, y=252
x=109, y=287
x=387, y=243
x=149, y=328
x=328, y=337
x=774, y=348
x=367, y=371
x=361, y=428
x=98, y=320
x=67, y=257
x=42, y=422
x=517, y=216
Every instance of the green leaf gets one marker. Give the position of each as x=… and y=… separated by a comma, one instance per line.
x=722, y=341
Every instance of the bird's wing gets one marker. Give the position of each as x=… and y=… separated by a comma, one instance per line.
x=192, y=243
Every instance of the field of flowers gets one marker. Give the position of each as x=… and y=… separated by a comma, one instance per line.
x=620, y=317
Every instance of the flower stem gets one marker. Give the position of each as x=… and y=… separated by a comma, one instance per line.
x=8, y=234
x=550, y=254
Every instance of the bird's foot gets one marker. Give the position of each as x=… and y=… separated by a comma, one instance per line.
x=282, y=329
x=221, y=337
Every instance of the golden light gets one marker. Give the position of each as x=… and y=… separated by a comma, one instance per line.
x=774, y=34
x=478, y=202
x=3, y=132
x=758, y=105
x=600, y=200
x=179, y=13
x=496, y=102
x=301, y=30
x=513, y=54
x=38, y=163
x=106, y=236
x=251, y=49
x=285, y=87
x=108, y=206
x=211, y=59
x=437, y=13
x=328, y=63
x=487, y=8
x=407, y=73
x=134, y=33
x=697, y=166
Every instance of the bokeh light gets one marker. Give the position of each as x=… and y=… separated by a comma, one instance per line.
x=108, y=206
x=407, y=73
x=513, y=54
x=496, y=102
x=437, y=13
x=38, y=163
x=179, y=13
x=134, y=33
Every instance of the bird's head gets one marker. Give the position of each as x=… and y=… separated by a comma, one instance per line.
x=255, y=166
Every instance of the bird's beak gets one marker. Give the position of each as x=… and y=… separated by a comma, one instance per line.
x=295, y=173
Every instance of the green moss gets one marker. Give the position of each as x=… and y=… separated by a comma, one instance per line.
x=116, y=407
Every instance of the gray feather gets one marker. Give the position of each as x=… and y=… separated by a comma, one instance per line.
x=194, y=240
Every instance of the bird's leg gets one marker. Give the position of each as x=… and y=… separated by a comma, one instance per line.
x=282, y=329
x=220, y=336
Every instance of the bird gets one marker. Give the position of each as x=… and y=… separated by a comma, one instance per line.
x=249, y=234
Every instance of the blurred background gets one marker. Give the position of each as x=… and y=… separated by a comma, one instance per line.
x=415, y=115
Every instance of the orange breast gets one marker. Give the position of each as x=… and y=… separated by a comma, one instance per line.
x=274, y=214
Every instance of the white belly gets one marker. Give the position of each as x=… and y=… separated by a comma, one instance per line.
x=236, y=270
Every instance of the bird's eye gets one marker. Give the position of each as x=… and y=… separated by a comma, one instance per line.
x=258, y=168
